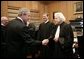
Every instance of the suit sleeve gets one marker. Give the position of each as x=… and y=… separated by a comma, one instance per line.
x=27, y=38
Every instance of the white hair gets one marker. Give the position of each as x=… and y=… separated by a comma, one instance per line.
x=23, y=11
x=60, y=16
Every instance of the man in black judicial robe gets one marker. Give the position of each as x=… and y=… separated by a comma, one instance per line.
x=44, y=32
x=32, y=31
x=4, y=22
x=19, y=41
x=31, y=27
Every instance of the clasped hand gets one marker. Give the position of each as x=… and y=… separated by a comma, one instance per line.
x=45, y=42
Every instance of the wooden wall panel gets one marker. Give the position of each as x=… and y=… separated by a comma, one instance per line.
x=16, y=3
x=66, y=7
x=4, y=6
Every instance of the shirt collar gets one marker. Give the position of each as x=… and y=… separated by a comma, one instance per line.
x=46, y=21
x=2, y=24
x=20, y=19
x=28, y=23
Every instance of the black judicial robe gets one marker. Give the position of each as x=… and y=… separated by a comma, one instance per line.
x=31, y=30
x=3, y=41
x=44, y=32
x=63, y=48
x=18, y=38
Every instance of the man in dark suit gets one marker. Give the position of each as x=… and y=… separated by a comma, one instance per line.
x=4, y=22
x=63, y=37
x=18, y=37
x=44, y=32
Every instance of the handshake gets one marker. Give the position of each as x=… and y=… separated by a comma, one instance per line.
x=45, y=42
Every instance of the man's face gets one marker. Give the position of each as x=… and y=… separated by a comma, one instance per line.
x=45, y=17
x=5, y=20
x=26, y=17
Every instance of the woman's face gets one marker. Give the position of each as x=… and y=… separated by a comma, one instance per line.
x=56, y=20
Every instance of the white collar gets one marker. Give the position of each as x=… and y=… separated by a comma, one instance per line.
x=46, y=21
x=2, y=24
x=20, y=19
x=28, y=23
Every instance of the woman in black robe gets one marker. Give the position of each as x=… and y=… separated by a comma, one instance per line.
x=62, y=37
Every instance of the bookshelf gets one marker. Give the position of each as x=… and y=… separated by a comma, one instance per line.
x=77, y=26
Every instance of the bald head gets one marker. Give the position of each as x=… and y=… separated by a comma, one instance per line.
x=4, y=20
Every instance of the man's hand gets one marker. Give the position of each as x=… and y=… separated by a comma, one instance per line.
x=45, y=42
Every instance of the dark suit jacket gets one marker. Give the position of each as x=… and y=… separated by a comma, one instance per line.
x=63, y=48
x=19, y=39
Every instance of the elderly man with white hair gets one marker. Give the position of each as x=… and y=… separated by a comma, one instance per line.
x=4, y=22
x=63, y=37
x=18, y=37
